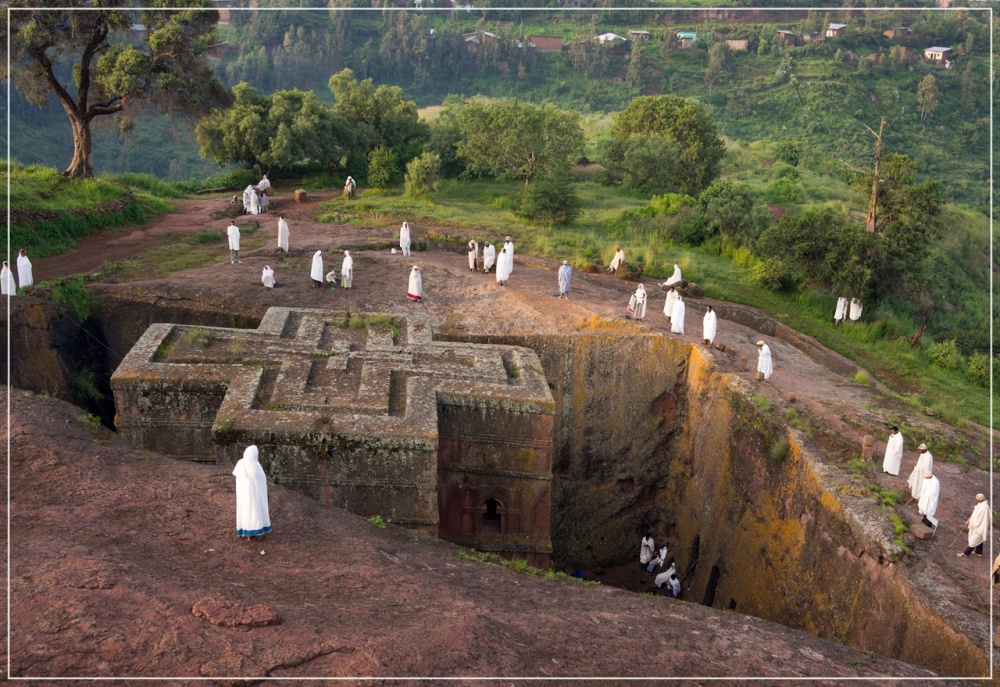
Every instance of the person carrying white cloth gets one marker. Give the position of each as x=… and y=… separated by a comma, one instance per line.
x=637, y=304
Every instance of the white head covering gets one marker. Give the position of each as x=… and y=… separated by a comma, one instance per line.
x=316, y=272
x=252, y=516
x=267, y=277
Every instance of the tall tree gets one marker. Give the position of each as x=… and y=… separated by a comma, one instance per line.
x=927, y=96
x=114, y=65
x=511, y=139
x=686, y=123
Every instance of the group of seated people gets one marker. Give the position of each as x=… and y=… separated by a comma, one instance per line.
x=650, y=560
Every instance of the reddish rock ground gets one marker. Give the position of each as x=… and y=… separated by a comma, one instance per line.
x=125, y=563
x=460, y=302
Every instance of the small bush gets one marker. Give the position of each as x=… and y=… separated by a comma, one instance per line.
x=381, y=167
x=690, y=230
x=785, y=171
x=762, y=403
x=773, y=274
x=378, y=521
x=945, y=355
x=72, y=296
x=979, y=368
x=205, y=236
x=784, y=192
x=83, y=387
x=91, y=422
x=779, y=450
x=423, y=176
x=788, y=151
x=862, y=377
x=550, y=201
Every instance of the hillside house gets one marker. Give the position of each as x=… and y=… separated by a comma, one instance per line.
x=687, y=38
x=639, y=35
x=609, y=38
x=901, y=32
x=735, y=44
x=223, y=8
x=939, y=55
x=786, y=37
x=835, y=30
x=545, y=43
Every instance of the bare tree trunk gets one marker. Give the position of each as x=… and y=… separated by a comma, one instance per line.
x=915, y=341
x=82, y=165
x=870, y=222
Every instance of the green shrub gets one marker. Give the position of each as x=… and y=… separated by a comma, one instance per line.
x=378, y=521
x=784, y=192
x=779, y=450
x=381, y=167
x=788, y=151
x=979, y=368
x=689, y=229
x=785, y=171
x=773, y=274
x=423, y=176
x=72, y=296
x=204, y=236
x=862, y=377
x=550, y=201
x=945, y=355
x=149, y=184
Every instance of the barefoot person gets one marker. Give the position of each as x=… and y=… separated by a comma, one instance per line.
x=252, y=518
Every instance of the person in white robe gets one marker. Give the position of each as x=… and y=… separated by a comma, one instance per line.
x=349, y=186
x=646, y=550
x=316, y=273
x=659, y=561
x=415, y=291
x=840, y=314
x=509, y=247
x=473, y=255
x=708, y=326
x=246, y=198
x=929, y=494
x=347, y=270
x=639, y=305
x=618, y=260
x=979, y=526
x=677, y=316
x=503, y=267
x=264, y=185
x=565, y=274
x=254, y=203
x=489, y=256
x=404, y=239
x=675, y=278
x=252, y=518
x=664, y=577
x=267, y=278
x=856, y=309
x=668, y=307
x=233, y=233
x=282, y=234
x=24, y=275
x=7, y=285
x=925, y=463
x=893, y=452
x=764, y=364
x=263, y=202
x=331, y=279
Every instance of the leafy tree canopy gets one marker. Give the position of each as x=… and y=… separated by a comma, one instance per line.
x=113, y=68
x=732, y=210
x=684, y=123
x=278, y=131
x=515, y=140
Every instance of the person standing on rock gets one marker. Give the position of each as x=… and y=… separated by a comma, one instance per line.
x=618, y=260
x=282, y=234
x=267, y=277
x=979, y=526
x=677, y=316
x=646, y=549
x=503, y=267
x=893, y=452
x=929, y=493
x=637, y=304
x=347, y=270
x=316, y=273
x=708, y=326
x=668, y=307
x=489, y=256
x=473, y=255
x=233, y=232
x=508, y=246
x=565, y=274
x=925, y=463
x=415, y=291
x=764, y=366
x=252, y=518
x=7, y=285
x=24, y=275
x=404, y=239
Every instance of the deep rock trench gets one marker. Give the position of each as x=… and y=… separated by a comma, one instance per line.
x=647, y=435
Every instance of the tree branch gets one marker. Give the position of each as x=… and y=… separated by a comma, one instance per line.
x=96, y=39
x=105, y=109
x=64, y=97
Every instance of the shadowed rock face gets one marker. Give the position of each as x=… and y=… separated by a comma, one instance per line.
x=360, y=411
x=124, y=563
